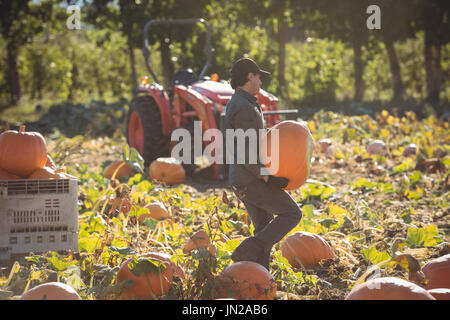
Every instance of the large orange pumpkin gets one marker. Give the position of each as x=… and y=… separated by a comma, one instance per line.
x=22, y=152
x=167, y=170
x=246, y=280
x=388, y=288
x=124, y=170
x=295, y=145
x=437, y=272
x=148, y=285
x=307, y=248
x=51, y=291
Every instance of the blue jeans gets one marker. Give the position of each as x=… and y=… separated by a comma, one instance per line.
x=263, y=202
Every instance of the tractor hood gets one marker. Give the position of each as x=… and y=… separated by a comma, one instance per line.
x=221, y=92
x=217, y=91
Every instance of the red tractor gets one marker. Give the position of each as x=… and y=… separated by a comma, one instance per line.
x=154, y=113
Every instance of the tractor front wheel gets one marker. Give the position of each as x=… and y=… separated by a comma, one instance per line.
x=144, y=129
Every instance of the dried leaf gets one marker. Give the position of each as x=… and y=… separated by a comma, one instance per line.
x=410, y=264
x=225, y=198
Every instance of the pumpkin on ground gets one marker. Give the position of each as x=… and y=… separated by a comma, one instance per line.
x=22, y=152
x=388, y=288
x=246, y=280
x=51, y=291
x=124, y=170
x=437, y=272
x=440, y=293
x=157, y=210
x=295, y=145
x=167, y=170
x=122, y=204
x=305, y=248
x=150, y=284
x=377, y=147
x=410, y=150
x=198, y=240
x=323, y=144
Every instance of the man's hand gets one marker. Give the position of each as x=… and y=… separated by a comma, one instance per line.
x=277, y=181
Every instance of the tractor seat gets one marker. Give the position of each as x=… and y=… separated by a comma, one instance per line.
x=185, y=77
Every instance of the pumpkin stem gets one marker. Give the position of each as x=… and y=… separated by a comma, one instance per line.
x=22, y=128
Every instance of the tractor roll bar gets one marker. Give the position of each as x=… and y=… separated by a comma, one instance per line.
x=208, y=48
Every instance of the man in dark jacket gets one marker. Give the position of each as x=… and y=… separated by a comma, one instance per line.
x=262, y=195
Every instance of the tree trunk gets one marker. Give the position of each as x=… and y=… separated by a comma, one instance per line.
x=433, y=71
x=394, y=65
x=13, y=74
x=134, y=85
x=38, y=75
x=358, y=67
x=167, y=65
x=281, y=39
x=74, y=77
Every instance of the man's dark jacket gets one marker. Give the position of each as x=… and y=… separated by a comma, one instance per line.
x=243, y=112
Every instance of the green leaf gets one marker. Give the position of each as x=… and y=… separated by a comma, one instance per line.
x=151, y=223
x=327, y=192
x=308, y=211
x=327, y=223
x=230, y=245
x=406, y=216
x=90, y=243
x=408, y=164
x=134, y=179
x=123, y=251
x=59, y=262
x=415, y=177
x=423, y=237
x=363, y=182
x=140, y=266
x=132, y=157
x=144, y=186
x=374, y=256
x=385, y=187
x=335, y=210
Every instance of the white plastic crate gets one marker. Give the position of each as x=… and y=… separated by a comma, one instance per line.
x=38, y=216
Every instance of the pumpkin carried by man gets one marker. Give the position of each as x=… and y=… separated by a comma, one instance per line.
x=295, y=145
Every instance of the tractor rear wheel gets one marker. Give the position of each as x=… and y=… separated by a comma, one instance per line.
x=144, y=129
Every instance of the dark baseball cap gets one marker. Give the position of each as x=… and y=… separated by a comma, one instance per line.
x=244, y=66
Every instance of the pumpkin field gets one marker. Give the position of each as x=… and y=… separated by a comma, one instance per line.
x=375, y=212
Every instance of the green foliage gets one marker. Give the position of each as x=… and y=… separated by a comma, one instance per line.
x=140, y=266
x=423, y=237
x=314, y=70
x=94, y=118
x=374, y=256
